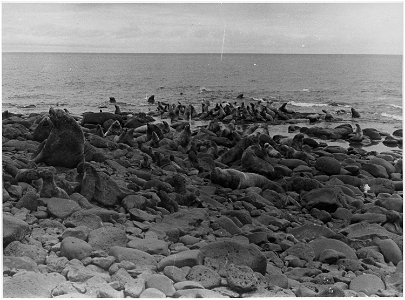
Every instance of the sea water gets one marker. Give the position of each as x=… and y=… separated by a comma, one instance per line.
x=372, y=84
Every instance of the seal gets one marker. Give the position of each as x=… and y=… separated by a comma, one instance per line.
x=355, y=113
x=358, y=135
x=284, y=109
x=117, y=110
x=64, y=146
x=115, y=129
x=185, y=137
x=151, y=99
x=235, y=179
x=43, y=130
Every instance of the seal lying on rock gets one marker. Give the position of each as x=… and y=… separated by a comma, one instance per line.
x=64, y=146
x=235, y=179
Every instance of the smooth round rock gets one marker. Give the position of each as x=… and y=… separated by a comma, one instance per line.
x=13, y=229
x=151, y=246
x=185, y=258
x=72, y=247
x=328, y=165
x=320, y=244
x=152, y=293
x=61, y=208
x=367, y=283
x=390, y=250
x=135, y=256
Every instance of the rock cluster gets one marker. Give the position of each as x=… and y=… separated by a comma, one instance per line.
x=157, y=210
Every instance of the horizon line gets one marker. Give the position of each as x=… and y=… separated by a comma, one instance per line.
x=191, y=53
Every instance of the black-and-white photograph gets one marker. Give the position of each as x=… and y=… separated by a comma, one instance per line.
x=202, y=150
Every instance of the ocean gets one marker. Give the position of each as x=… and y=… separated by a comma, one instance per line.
x=33, y=82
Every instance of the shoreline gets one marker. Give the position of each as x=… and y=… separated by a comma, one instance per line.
x=113, y=207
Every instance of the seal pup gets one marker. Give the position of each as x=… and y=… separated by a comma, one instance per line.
x=112, y=100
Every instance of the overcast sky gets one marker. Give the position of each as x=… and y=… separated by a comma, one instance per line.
x=199, y=28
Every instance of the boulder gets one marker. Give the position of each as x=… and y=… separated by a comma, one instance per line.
x=105, y=238
x=377, y=171
x=135, y=256
x=13, y=229
x=31, y=285
x=321, y=244
x=150, y=245
x=242, y=279
x=327, y=198
x=367, y=283
x=99, y=118
x=98, y=186
x=218, y=254
x=188, y=258
x=61, y=208
x=207, y=277
x=16, y=248
x=328, y=165
x=72, y=247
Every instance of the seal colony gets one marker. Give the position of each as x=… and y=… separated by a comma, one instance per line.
x=122, y=205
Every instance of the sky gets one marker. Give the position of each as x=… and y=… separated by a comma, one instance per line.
x=345, y=28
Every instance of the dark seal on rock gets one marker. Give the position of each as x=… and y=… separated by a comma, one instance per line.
x=64, y=146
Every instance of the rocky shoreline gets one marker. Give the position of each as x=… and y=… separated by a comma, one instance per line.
x=118, y=205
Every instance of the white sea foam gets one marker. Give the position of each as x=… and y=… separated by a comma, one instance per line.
x=395, y=117
x=303, y=104
x=396, y=106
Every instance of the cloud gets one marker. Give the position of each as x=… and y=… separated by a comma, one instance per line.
x=198, y=27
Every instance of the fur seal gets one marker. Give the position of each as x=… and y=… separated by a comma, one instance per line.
x=235, y=179
x=112, y=100
x=64, y=146
x=284, y=109
x=115, y=129
x=117, y=110
x=185, y=137
x=127, y=137
x=43, y=130
x=151, y=99
x=355, y=114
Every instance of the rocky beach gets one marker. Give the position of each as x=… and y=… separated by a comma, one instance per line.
x=200, y=202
